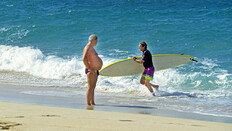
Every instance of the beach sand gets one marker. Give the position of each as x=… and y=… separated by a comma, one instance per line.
x=25, y=117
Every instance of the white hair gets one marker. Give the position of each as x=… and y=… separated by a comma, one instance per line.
x=92, y=37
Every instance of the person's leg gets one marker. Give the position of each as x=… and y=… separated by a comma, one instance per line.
x=149, y=76
x=142, y=80
x=148, y=85
x=91, y=79
x=155, y=86
x=93, y=90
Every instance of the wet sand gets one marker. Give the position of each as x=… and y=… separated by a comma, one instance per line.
x=76, y=99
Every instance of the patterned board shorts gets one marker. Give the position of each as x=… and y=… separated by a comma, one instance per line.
x=148, y=73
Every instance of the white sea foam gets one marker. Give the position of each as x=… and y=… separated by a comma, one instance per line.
x=4, y=29
x=34, y=62
x=16, y=35
x=200, y=86
x=54, y=93
x=56, y=71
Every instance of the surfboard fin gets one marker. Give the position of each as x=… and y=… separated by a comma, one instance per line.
x=193, y=60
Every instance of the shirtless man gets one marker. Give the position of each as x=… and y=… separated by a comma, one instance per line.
x=92, y=63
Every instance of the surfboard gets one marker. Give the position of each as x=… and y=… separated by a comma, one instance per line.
x=128, y=67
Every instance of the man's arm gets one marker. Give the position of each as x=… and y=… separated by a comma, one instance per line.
x=138, y=61
x=85, y=58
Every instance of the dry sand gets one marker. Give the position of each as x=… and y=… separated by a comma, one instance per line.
x=24, y=117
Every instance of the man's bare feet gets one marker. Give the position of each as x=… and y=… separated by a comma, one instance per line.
x=89, y=107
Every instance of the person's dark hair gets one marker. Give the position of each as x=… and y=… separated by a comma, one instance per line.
x=144, y=44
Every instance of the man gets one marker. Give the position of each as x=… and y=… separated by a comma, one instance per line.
x=147, y=75
x=92, y=63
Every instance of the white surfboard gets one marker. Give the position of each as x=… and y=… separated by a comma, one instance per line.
x=129, y=67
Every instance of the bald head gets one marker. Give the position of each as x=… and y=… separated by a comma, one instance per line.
x=92, y=37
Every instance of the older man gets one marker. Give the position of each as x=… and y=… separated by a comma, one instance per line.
x=92, y=63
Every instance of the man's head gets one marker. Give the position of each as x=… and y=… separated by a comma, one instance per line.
x=93, y=39
x=143, y=46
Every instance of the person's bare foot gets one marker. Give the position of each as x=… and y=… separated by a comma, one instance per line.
x=155, y=86
x=153, y=93
x=89, y=107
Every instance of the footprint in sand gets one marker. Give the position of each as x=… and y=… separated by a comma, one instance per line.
x=126, y=120
x=50, y=116
x=198, y=125
x=8, y=125
x=15, y=117
x=19, y=117
x=174, y=123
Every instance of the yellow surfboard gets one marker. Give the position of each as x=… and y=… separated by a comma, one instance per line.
x=129, y=67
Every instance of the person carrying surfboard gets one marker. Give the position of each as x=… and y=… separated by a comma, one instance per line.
x=148, y=73
x=93, y=63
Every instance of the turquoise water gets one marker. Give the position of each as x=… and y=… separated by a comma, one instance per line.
x=42, y=43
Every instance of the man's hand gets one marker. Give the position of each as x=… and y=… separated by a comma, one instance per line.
x=134, y=58
x=138, y=61
x=91, y=71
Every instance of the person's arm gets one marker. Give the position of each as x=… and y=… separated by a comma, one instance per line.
x=138, y=61
x=85, y=60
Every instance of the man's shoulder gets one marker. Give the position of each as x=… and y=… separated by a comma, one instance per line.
x=147, y=52
x=87, y=47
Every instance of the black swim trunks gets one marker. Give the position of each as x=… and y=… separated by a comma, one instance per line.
x=96, y=71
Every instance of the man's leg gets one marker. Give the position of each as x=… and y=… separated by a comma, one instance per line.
x=155, y=86
x=93, y=90
x=148, y=85
x=91, y=79
x=142, y=80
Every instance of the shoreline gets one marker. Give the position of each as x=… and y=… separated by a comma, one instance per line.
x=16, y=116
x=25, y=95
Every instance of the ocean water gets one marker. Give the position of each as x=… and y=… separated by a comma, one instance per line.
x=41, y=44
